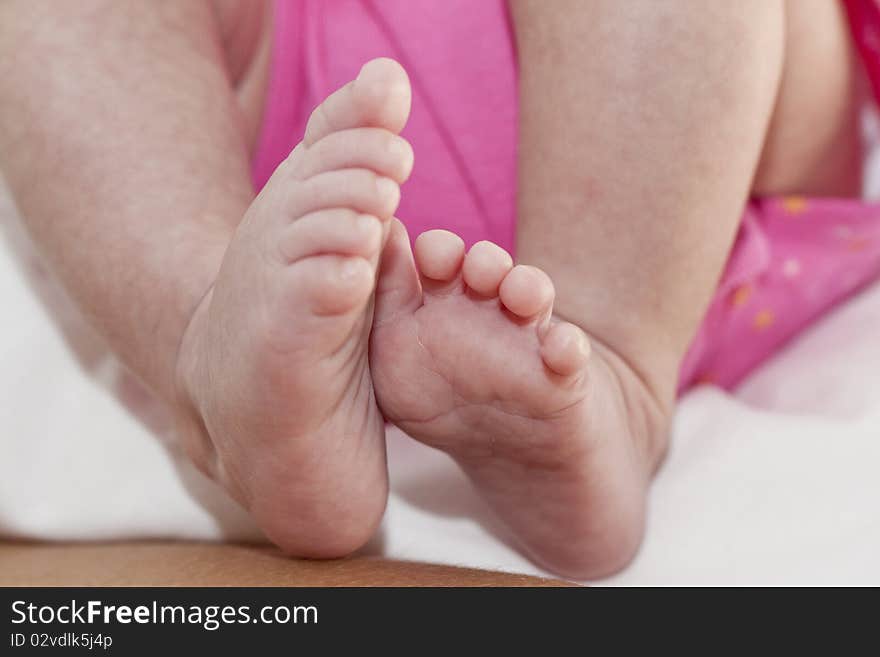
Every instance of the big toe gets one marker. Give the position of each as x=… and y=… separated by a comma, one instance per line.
x=380, y=97
x=439, y=255
x=398, y=286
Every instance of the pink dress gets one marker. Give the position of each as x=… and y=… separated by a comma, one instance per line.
x=794, y=257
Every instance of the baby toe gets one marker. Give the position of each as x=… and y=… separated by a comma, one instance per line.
x=337, y=230
x=439, y=254
x=565, y=349
x=359, y=189
x=527, y=291
x=329, y=285
x=485, y=266
x=379, y=150
x=380, y=97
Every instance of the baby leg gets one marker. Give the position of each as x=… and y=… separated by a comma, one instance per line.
x=643, y=125
x=276, y=393
x=643, y=128
x=249, y=317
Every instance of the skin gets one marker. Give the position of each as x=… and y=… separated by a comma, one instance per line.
x=644, y=128
x=635, y=270
x=278, y=402
x=670, y=212
x=127, y=197
x=524, y=413
x=207, y=564
x=150, y=222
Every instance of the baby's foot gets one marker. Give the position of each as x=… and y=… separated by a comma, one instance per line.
x=552, y=432
x=273, y=368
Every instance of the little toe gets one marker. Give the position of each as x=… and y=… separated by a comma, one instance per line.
x=527, y=291
x=485, y=266
x=379, y=97
x=439, y=254
x=383, y=85
x=565, y=349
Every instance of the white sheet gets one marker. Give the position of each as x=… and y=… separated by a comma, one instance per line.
x=776, y=485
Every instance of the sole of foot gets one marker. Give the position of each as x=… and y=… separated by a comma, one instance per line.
x=274, y=375
x=468, y=358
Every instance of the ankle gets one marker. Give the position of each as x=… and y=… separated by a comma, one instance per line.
x=649, y=406
x=188, y=375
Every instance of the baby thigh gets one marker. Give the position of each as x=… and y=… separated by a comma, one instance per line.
x=812, y=145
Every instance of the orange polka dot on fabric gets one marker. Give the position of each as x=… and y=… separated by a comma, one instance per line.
x=764, y=319
x=794, y=204
x=741, y=296
x=857, y=243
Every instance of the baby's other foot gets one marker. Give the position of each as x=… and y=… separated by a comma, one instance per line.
x=273, y=370
x=467, y=357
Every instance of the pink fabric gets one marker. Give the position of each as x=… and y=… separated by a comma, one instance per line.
x=794, y=258
x=461, y=63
